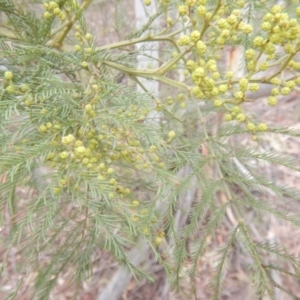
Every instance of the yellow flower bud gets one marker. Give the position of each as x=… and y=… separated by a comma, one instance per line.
x=251, y=127
x=241, y=117
x=8, y=75
x=88, y=36
x=158, y=240
x=110, y=171
x=218, y=103
x=195, y=35
x=183, y=10
x=272, y=101
x=262, y=127
x=201, y=10
x=135, y=203
x=171, y=134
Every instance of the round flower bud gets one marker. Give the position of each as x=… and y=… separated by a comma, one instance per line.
x=134, y=218
x=89, y=50
x=196, y=90
x=158, y=240
x=215, y=75
x=50, y=156
x=101, y=177
x=225, y=33
x=251, y=127
x=264, y=66
x=85, y=161
x=88, y=107
x=275, y=92
x=56, y=190
x=195, y=35
x=214, y=91
x=285, y=90
x=291, y=84
x=147, y=2
x=63, y=182
x=62, y=16
x=253, y=87
x=47, y=15
x=266, y=26
x=186, y=73
x=198, y=73
x=272, y=100
x=228, y=117
x=43, y=111
x=246, y=28
x=239, y=95
x=236, y=109
x=127, y=191
x=276, y=9
x=24, y=88
x=201, y=10
x=110, y=171
x=78, y=35
x=180, y=97
x=190, y=64
x=220, y=41
x=223, y=88
x=232, y=20
x=43, y=129
x=8, y=75
x=240, y=3
x=88, y=36
x=69, y=139
x=208, y=16
x=201, y=47
x=63, y=155
x=251, y=65
x=258, y=41
x=184, y=40
x=11, y=89
x=77, y=48
x=241, y=117
x=275, y=81
x=229, y=75
x=152, y=148
x=223, y=24
x=218, y=103
x=262, y=127
x=249, y=54
x=135, y=203
x=243, y=82
x=185, y=18
x=183, y=10
x=171, y=134
x=145, y=231
x=84, y=64
x=56, y=11
x=268, y=17
x=52, y=5
x=270, y=49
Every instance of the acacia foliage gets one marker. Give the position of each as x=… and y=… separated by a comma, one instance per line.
x=120, y=165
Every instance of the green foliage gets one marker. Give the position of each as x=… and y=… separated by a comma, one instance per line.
x=106, y=165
